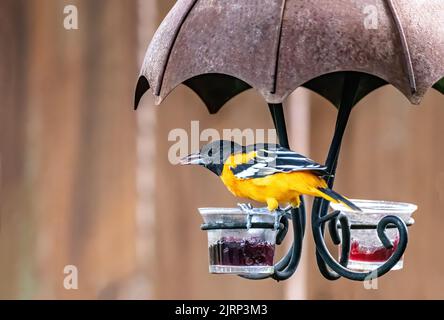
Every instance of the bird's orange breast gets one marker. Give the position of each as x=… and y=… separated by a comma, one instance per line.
x=284, y=187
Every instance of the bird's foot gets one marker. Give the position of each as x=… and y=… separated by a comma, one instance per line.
x=285, y=211
x=281, y=213
x=247, y=208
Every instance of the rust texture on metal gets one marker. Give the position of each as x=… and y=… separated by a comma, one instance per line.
x=276, y=46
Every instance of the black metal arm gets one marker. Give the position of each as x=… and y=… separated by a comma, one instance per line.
x=328, y=266
x=287, y=266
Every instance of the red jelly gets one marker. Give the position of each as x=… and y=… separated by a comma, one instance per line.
x=379, y=254
x=240, y=252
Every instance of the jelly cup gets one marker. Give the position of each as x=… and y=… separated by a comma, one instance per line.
x=239, y=246
x=367, y=253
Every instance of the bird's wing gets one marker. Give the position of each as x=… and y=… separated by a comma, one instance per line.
x=272, y=159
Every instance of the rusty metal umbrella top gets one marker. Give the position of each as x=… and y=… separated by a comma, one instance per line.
x=220, y=48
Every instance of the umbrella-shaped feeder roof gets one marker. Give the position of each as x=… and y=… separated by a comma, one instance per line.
x=341, y=49
x=221, y=48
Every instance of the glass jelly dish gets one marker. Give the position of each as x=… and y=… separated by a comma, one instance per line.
x=240, y=251
x=367, y=252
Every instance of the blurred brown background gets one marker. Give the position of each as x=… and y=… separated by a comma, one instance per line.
x=85, y=180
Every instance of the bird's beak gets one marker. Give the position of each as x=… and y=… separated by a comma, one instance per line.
x=193, y=158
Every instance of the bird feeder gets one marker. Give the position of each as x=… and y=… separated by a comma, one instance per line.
x=241, y=240
x=220, y=48
x=368, y=249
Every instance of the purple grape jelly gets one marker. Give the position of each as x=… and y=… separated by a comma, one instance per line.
x=242, y=252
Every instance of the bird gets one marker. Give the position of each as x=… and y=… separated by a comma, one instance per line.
x=266, y=173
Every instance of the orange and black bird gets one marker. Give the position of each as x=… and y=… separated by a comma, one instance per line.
x=266, y=173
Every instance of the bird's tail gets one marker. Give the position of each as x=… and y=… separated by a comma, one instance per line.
x=333, y=196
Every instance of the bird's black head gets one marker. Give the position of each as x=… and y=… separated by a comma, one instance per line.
x=213, y=155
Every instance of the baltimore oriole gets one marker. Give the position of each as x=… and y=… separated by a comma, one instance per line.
x=266, y=173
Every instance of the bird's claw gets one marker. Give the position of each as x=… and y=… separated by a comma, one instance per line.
x=285, y=212
x=247, y=208
x=278, y=216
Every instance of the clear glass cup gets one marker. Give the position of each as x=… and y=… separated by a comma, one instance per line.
x=240, y=251
x=367, y=252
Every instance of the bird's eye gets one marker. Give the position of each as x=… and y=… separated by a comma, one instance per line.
x=210, y=153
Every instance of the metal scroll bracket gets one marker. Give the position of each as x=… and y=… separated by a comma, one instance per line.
x=328, y=266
